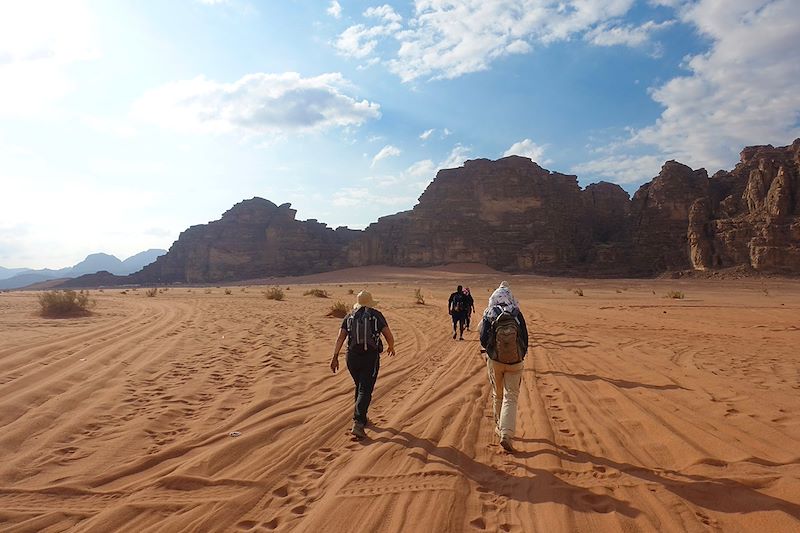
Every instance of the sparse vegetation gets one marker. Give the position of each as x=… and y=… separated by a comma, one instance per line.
x=619, y=291
x=419, y=296
x=228, y=291
x=678, y=295
x=64, y=304
x=208, y=291
x=765, y=291
x=274, y=293
x=338, y=310
x=123, y=292
x=151, y=292
x=319, y=293
x=578, y=292
x=350, y=291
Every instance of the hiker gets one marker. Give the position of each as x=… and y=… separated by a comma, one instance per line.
x=363, y=327
x=470, y=306
x=457, y=307
x=504, y=337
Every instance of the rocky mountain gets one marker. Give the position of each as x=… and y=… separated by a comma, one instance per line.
x=516, y=216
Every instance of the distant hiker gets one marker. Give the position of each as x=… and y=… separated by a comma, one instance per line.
x=504, y=336
x=363, y=327
x=470, y=306
x=457, y=307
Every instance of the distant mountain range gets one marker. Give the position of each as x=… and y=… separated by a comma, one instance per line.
x=14, y=278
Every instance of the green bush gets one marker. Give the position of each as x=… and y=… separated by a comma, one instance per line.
x=319, y=293
x=274, y=293
x=62, y=304
x=339, y=310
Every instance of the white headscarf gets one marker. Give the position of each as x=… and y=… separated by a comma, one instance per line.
x=501, y=296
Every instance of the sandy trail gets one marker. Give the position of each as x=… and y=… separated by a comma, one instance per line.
x=638, y=413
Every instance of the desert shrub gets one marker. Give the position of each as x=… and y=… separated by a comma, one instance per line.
x=578, y=292
x=228, y=291
x=765, y=291
x=274, y=293
x=678, y=295
x=123, y=292
x=319, y=293
x=350, y=291
x=619, y=291
x=61, y=304
x=419, y=296
x=338, y=310
x=151, y=292
x=208, y=291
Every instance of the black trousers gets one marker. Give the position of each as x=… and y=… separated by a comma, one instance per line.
x=363, y=368
x=459, y=319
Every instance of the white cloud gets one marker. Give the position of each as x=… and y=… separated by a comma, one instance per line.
x=741, y=91
x=386, y=151
x=39, y=40
x=359, y=41
x=334, y=9
x=621, y=168
x=365, y=197
x=457, y=156
x=256, y=104
x=527, y=148
x=450, y=38
x=446, y=133
x=608, y=34
x=422, y=169
x=425, y=134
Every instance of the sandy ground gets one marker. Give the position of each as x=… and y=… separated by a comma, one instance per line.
x=638, y=413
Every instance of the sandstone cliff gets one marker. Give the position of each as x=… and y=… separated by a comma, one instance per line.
x=751, y=215
x=513, y=215
x=254, y=238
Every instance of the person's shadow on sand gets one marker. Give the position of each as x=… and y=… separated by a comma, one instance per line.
x=542, y=487
x=718, y=494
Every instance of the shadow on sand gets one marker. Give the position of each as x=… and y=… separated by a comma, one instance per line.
x=621, y=383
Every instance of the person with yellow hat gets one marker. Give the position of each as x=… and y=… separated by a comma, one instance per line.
x=363, y=328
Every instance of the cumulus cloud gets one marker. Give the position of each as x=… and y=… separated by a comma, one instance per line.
x=739, y=92
x=422, y=169
x=360, y=40
x=425, y=134
x=39, y=40
x=527, y=148
x=450, y=38
x=383, y=153
x=256, y=104
x=334, y=9
x=457, y=156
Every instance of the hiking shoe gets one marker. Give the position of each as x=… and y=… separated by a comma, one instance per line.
x=358, y=430
x=461, y=338
x=505, y=442
x=454, y=334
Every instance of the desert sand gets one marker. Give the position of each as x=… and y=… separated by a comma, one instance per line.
x=197, y=410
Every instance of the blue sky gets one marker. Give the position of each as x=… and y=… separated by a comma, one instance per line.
x=124, y=122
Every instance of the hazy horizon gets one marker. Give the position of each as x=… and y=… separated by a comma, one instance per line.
x=124, y=123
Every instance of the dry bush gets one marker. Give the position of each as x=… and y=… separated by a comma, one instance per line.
x=419, y=296
x=63, y=304
x=319, y=293
x=678, y=295
x=151, y=292
x=619, y=291
x=228, y=291
x=123, y=292
x=339, y=310
x=579, y=292
x=274, y=293
x=350, y=291
x=208, y=291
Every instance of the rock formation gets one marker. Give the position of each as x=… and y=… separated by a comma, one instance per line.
x=751, y=215
x=513, y=215
x=255, y=238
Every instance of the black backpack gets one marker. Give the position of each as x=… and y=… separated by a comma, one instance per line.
x=363, y=332
x=459, y=302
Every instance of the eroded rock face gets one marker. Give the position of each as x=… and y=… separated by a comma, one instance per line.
x=254, y=238
x=510, y=214
x=756, y=223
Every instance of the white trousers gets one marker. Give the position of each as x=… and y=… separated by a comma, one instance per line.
x=505, y=380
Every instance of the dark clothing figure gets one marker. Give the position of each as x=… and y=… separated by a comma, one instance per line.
x=457, y=307
x=470, y=306
x=363, y=366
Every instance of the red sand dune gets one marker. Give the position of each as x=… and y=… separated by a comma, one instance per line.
x=638, y=413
